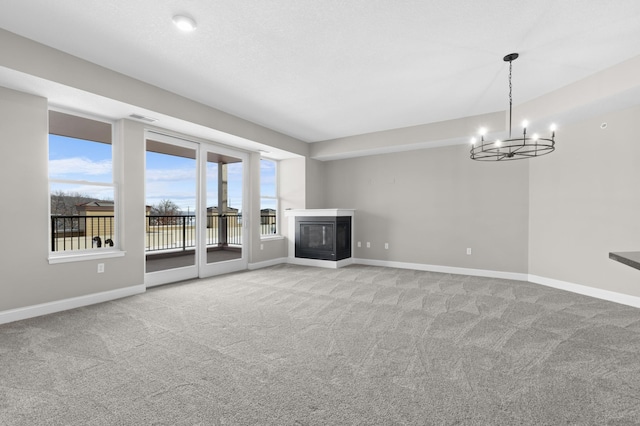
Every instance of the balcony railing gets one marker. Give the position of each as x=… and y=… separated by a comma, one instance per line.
x=268, y=224
x=170, y=232
x=81, y=232
x=179, y=232
x=162, y=232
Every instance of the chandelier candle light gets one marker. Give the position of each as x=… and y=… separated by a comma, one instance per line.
x=513, y=148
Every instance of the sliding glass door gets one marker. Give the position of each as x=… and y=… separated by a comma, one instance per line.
x=224, y=237
x=171, y=237
x=194, y=205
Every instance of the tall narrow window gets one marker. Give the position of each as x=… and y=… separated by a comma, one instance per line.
x=81, y=184
x=268, y=197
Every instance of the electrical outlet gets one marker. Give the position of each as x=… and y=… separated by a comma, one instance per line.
x=100, y=268
x=261, y=246
x=368, y=244
x=386, y=246
x=469, y=251
x=359, y=243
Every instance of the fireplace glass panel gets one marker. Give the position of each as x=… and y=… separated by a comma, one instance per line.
x=316, y=236
x=343, y=236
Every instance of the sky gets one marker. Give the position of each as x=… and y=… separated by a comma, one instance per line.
x=76, y=159
x=168, y=177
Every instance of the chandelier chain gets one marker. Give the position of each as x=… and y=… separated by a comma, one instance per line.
x=510, y=97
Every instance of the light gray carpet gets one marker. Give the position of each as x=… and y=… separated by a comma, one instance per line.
x=292, y=345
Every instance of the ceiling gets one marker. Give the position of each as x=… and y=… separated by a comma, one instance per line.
x=319, y=70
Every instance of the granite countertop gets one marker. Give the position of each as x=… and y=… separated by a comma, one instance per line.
x=631, y=258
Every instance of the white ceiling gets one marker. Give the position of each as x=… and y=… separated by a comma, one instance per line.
x=324, y=69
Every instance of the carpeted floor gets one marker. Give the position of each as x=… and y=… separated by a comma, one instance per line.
x=291, y=345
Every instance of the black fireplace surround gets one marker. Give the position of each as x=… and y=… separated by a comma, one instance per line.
x=323, y=237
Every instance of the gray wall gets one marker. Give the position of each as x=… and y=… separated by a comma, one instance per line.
x=292, y=190
x=585, y=202
x=431, y=205
x=315, y=190
x=555, y=217
x=27, y=277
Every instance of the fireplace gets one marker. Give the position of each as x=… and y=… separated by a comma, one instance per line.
x=323, y=237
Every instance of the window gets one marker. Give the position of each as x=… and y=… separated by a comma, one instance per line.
x=268, y=197
x=81, y=185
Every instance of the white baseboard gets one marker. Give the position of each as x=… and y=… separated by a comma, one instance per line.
x=598, y=293
x=444, y=269
x=302, y=262
x=66, y=304
x=331, y=264
x=267, y=263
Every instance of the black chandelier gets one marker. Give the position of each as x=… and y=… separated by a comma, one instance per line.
x=513, y=148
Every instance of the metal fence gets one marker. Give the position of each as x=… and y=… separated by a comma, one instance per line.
x=81, y=232
x=224, y=230
x=268, y=224
x=176, y=232
x=170, y=232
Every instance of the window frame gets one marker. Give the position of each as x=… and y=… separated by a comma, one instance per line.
x=115, y=184
x=276, y=198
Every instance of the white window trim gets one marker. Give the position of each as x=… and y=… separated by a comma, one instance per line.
x=85, y=255
x=271, y=237
x=116, y=184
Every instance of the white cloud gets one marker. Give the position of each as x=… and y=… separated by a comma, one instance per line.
x=79, y=166
x=168, y=175
x=92, y=191
x=179, y=186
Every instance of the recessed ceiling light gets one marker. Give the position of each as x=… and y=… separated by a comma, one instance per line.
x=184, y=23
